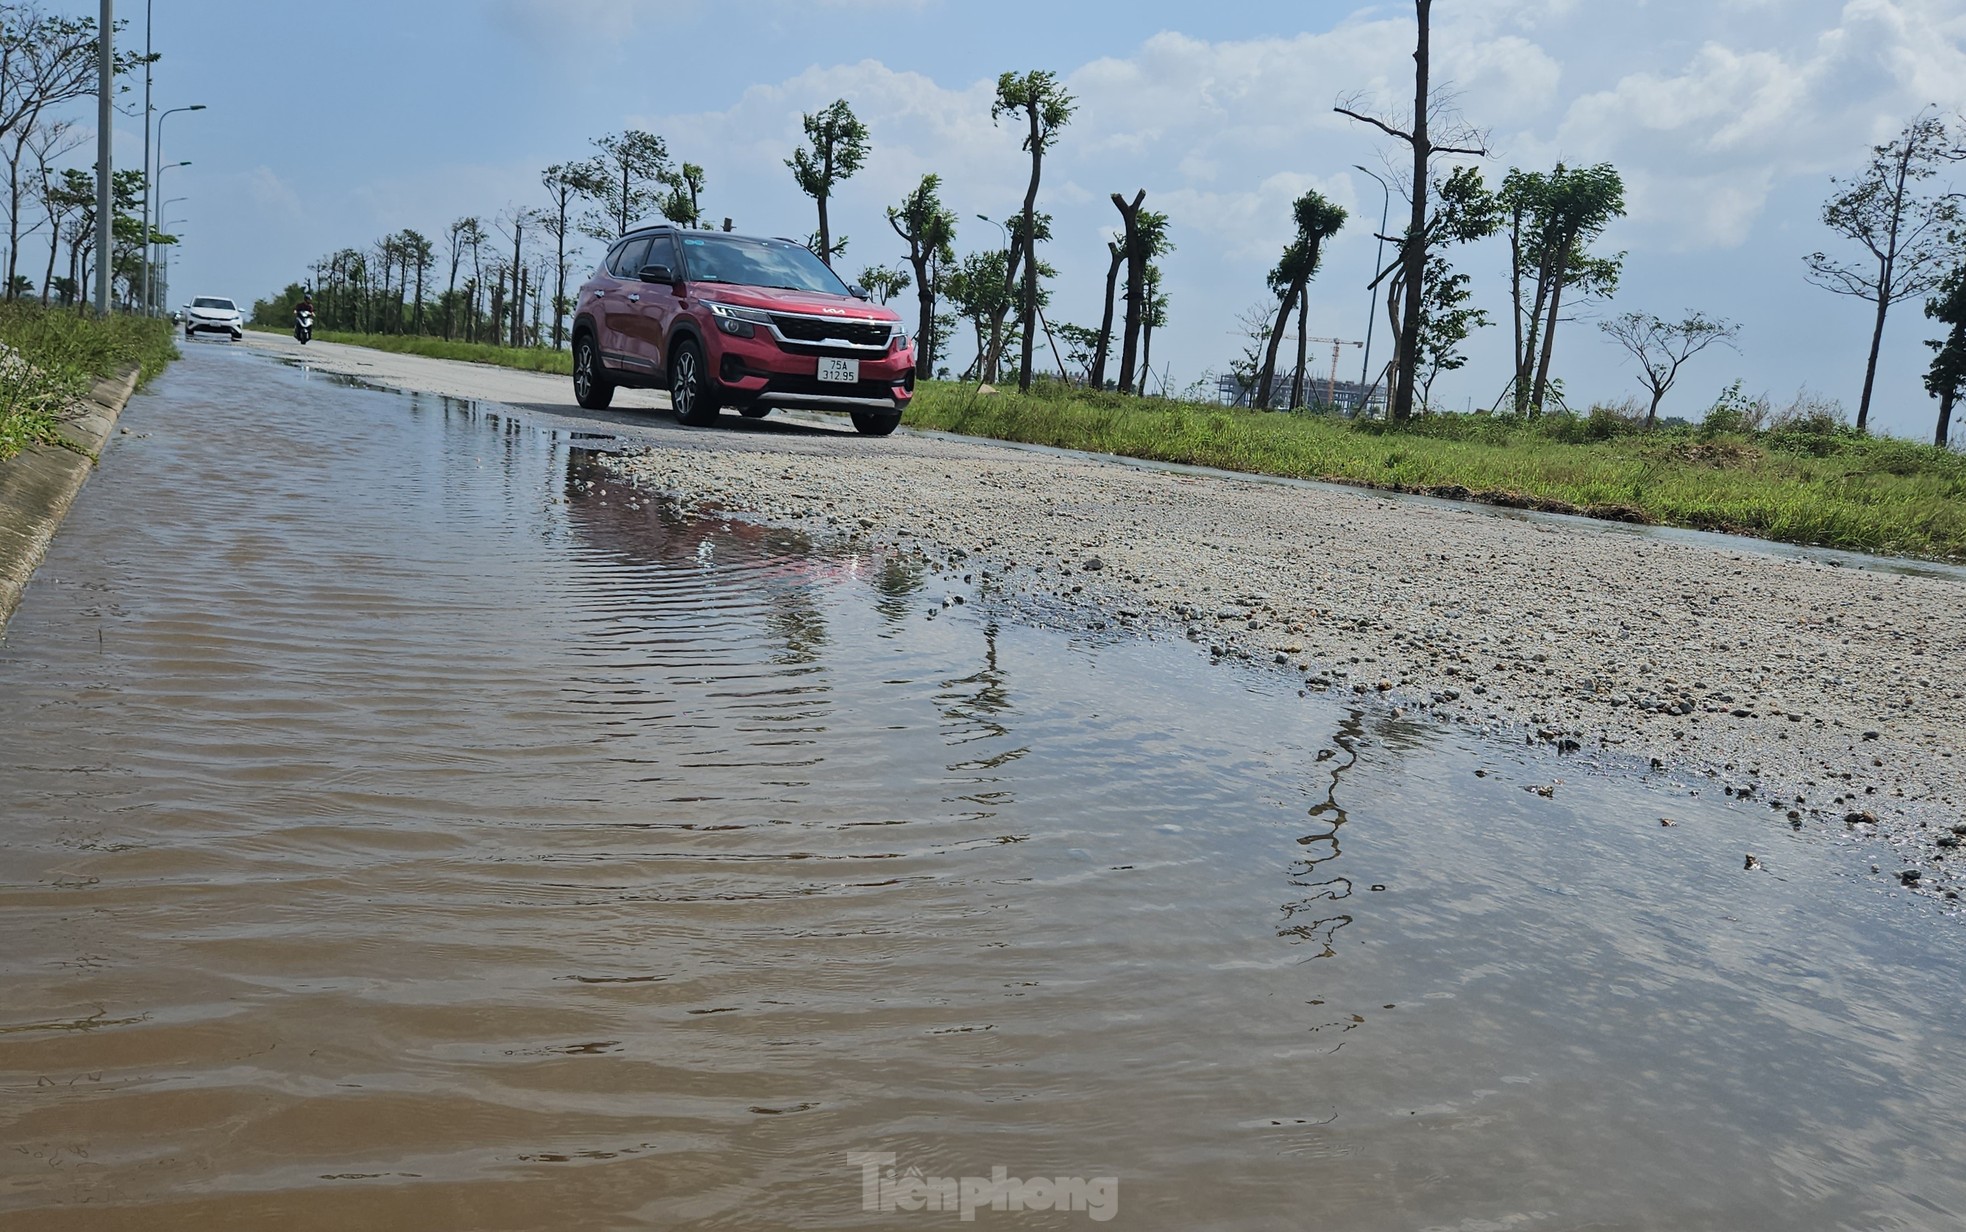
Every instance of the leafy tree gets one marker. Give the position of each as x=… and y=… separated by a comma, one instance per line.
x=1152, y=318
x=1552, y=220
x=1428, y=116
x=1317, y=221
x=565, y=183
x=1081, y=344
x=1946, y=378
x=683, y=205
x=884, y=282
x=1446, y=320
x=632, y=171
x=1662, y=347
x=929, y=228
x=1045, y=108
x=837, y=143
x=1902, y=225
x=45, y=62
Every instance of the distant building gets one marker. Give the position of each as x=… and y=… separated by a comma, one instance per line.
x=1343, y=397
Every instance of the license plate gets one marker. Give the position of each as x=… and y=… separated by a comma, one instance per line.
x=846, y=371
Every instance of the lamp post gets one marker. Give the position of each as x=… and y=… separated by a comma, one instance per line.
x=1372, y=295
x=149, y=197
x=150, y=230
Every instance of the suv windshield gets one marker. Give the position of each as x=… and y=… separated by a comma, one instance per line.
x=206, y=301
x=758, y=263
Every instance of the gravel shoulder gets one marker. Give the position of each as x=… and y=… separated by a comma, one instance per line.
x=1831, y=692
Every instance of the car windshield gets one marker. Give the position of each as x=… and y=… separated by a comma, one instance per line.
x=758, y=263
x=206, y=301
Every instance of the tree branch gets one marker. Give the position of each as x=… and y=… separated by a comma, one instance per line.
x=1381, y=125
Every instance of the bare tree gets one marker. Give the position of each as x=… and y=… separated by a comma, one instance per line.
x=565, y=183
x=1904, y=230
x=1459, y=139
x=1662, y=347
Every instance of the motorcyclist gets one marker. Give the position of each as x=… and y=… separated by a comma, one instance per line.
x=306, y=304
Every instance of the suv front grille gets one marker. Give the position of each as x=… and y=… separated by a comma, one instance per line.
x=813, y=331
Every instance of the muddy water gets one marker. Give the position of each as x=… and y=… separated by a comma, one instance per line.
x=401, y=827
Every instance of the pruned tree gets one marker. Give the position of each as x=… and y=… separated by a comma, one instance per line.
x=1096, y=372
x=464, y=235
x=1143, y=236
x=1317, y=221
x=929, y=229
x=418, y=256
x=1903, y=226
x=1044, y=107
x=683, y=204
x=1253, y=329
x=1430, y=118
x=633, y=171
x=1946, y=378
x=1662, y=347
x=52, y=141
x=836, y=148
x=1552, y=220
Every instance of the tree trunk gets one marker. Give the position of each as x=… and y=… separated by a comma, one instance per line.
x=1652, y=412
x=560, y=286
x=1136, y=289
x=1870, y=369
x=1946, y=402
x=1414, y=250
x=416, y=316
x=1030, y=305
x=1303, y=344
x=1147, y=355
x=1097, y=376
x=1549, y=348
x=1266, y=383
x=825, y=233
x=925, y=323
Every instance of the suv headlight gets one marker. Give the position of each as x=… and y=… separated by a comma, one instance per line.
x=737, y=322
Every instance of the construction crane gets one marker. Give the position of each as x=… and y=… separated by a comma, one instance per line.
x=1331, y=385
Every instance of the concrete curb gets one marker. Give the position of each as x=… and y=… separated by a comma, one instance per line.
x=38, y=486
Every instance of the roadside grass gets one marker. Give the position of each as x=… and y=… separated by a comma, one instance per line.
x=1805, y=483
x=53, y=356
x=526, y=359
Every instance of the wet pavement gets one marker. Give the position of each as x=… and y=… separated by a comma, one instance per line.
x=402, y=826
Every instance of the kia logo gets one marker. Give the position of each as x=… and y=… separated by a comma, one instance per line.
x=834, y=312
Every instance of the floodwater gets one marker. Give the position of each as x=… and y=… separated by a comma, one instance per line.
x=403, y=827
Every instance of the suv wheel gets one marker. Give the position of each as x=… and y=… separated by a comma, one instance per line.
x=690, y=391
x=591, y=387
x=876, y=423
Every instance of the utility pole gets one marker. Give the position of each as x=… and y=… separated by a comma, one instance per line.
x=143, y=254
x=105, y=160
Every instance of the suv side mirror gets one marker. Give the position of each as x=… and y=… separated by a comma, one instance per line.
x=657, y=273
x=857, y=291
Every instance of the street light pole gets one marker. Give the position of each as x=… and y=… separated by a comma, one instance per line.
x=105, y=164
x=151, y=194
x=1372, y=294
x=143, y=250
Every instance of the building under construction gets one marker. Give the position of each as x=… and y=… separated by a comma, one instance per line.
x=1320, y=393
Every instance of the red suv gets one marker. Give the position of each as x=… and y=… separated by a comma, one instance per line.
x=734, y=320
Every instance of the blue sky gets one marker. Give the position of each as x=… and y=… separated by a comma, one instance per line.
x=331, y=123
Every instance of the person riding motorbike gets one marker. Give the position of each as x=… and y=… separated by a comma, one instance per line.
x=304, y=318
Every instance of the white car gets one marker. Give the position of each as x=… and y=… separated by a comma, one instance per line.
x=210, y=314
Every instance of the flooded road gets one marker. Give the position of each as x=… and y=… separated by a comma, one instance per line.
x=403, y=827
